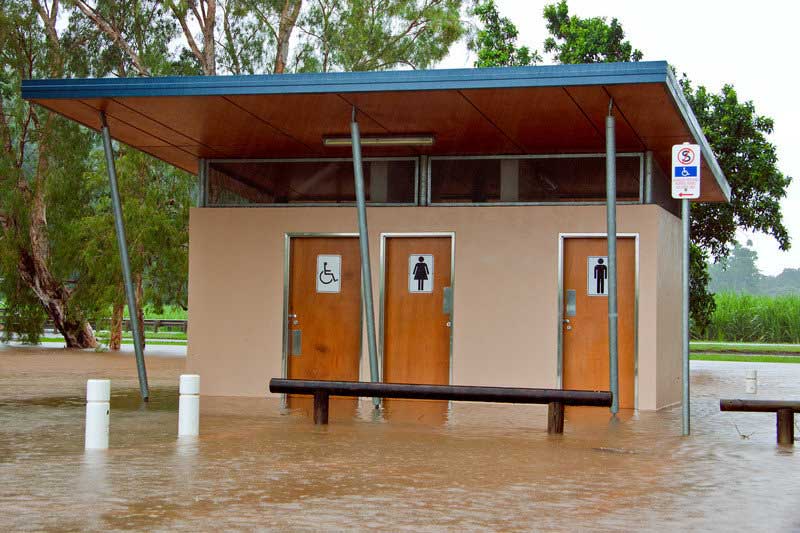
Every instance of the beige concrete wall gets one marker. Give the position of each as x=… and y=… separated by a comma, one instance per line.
x=504, y=333
x=669, y=310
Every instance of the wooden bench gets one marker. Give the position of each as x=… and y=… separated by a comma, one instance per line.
x=555, y=398
x=785, y=414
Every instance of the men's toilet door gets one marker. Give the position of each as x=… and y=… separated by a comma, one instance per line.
x=417, y=309
x=585, y=318
x=324, y=319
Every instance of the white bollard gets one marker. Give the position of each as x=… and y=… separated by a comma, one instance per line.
x=751, y=382
x=98, y=395
x=189, y=406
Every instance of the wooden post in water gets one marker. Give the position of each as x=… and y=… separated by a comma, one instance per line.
x=320, y=407
x=786, y=426
x=555, y=417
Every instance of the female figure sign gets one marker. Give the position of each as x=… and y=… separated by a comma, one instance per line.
x=421, y=274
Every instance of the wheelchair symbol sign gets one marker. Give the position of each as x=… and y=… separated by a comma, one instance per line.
x=329, y=273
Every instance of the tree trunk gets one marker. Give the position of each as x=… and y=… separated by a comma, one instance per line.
x=115, y=333
x=54, y=298
x=35, y=272
x=140, y=307
x=289, y=14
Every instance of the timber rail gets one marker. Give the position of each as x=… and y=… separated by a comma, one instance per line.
x=555, y=398
x=784, y=410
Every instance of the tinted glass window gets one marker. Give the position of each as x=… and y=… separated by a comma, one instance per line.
x=309, y=182
x=556, y=179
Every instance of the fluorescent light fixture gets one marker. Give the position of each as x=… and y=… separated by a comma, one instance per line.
x=394, y=140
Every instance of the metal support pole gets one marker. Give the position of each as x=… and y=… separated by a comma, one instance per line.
x=123, y=256
x=363, y=240
x=611, y=227
x=648, y=177
x=685, y=219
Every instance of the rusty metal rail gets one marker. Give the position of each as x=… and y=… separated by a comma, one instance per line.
x=555, y=398
x=784, y=410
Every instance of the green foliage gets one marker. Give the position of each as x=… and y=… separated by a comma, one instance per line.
x=360, y=35
x=44, y=156
x=146, y=24
x=24, y=314
x=787, y=282
x=156, y=206
x=701, y=301
x=585, y=40
x=40, y=157
x=736, y=133
x=738, y=136
x=496, y=41
x=748, y=318
x=737, y=272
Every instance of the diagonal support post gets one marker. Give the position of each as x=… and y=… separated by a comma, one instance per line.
x=611, y=228
x=124, y=259
x=363, y=240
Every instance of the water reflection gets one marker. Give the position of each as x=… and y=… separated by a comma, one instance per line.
x=411, y=465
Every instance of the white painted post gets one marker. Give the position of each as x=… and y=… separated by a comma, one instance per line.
x=189, y=406
x=751, y=382
x=98, y=396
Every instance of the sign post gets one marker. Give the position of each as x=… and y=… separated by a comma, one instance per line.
x=685, y=187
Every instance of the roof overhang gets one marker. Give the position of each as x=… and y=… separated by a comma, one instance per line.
x=521, y=110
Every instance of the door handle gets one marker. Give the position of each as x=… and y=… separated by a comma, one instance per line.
x=297, y=342
x=571, y=303
x=447, y=300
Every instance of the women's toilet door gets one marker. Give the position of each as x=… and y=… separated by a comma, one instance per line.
x=324, y=308
x=585, y=319
x=417, y=309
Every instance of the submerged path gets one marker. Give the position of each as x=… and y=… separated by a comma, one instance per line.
x=416, y=466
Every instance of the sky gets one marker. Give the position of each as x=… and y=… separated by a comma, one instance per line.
x=749, y=45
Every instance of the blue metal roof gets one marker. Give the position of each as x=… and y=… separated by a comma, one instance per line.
x=597, y=74
x=348, y=82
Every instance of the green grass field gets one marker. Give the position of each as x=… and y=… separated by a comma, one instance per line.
x=744, y=352
x=744, y=347
x=104, y=340
x=744, y=358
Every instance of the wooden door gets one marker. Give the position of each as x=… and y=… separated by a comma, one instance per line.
x=417, y=328
x=324, y=327
x=585, y=334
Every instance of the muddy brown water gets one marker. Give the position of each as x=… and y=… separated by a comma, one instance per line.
x=415, y=466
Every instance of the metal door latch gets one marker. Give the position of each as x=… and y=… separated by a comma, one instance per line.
x=297, y=342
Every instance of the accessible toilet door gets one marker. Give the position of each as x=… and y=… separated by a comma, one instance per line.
x=324, y=308
x=417, y=309
x=585, y=318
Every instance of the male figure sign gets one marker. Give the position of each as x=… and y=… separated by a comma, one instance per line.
x=596, y=273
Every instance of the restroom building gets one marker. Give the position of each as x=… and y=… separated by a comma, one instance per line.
x=486, y=194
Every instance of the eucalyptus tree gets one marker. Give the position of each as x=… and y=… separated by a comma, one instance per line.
x=62, y=263
x=41, y=158
x=132, y=39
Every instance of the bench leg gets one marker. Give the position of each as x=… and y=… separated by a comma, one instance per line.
x=320, y=408
x=555, y=417
x=785, y=426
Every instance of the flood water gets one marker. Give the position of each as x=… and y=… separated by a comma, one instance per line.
x=416, y=466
